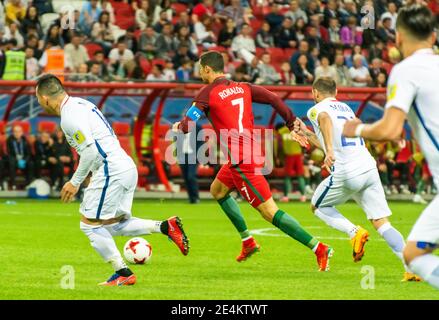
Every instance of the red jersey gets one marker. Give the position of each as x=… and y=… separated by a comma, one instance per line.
x=228, y=106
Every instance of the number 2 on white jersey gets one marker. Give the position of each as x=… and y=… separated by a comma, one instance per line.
x=239, y=102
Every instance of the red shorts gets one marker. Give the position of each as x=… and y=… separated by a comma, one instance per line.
x=252, y=186
x=294, y=165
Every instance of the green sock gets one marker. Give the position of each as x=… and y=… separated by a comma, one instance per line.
x=420, y=186
x=302, y=184
x=287, y=185
x=384, y=178
x=307, y=180
x=291, y=226
x=231, y=208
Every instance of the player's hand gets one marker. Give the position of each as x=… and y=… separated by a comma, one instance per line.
x=299, y=126
x=175, y=127
x=302, y=140
x=68, y=192
x=329, y=161
x=350, y=126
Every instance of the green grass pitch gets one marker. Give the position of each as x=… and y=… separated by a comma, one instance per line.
x=38, y=238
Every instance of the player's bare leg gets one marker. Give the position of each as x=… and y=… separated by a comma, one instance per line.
x=396, y=242
x=421, y=260
x=221, y=193
x=271, y=212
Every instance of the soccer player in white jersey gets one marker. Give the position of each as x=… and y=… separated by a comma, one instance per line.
x=106, y=207
x=413, y=94
x=354, y=174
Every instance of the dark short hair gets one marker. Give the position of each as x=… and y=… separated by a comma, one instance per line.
x=418, y=20
x=325, y=85
x=49, y=85
x=213, y=59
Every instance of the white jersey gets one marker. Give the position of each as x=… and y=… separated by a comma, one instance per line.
x=83, y=124
x=351, y=155
x=414, y=88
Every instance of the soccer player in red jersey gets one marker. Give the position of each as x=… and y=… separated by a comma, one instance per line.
x=228, y=105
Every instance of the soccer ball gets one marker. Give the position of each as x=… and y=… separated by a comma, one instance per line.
x=137, y=251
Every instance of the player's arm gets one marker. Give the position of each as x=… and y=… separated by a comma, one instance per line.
x=326, y=127
x=401, y=92
x=301, y=129
x=199, y=105
x=87, y=149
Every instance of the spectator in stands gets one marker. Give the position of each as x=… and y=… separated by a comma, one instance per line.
x=156, y=73
x=106, y=6
x=184, y=37
x=99, y=59
x=201, y=9
x=15, y=12
x=12, y=32
x=325, y=69
x=264, y=38
x=103, y=32
x=15, y=63
x=300, y=29
x=227, y=34
x=343, y=77
x=314, y=40
x=147, y=42
x=348, y=34
x=237, y=12
x=329, y=12
x=82, y=74
x=31, y=20
x=357, y=50
x=119, y=56
x=54, y=34
x=165, y=41
x=359, y=73
x=348, y=9
x=64, y=156
x=303, y=49
x=229, y=67
x=133, y=69
x=94, y=71
x=267, y=73
x=391, y=13
x=381, y=80
x=32, y=66
x=32, y=42
x=287, y=77
x=184, y=20
x=204, y=33
x=144, y=15
x=183, y=53
x=398, y=159
x=312, y=8
x=243, y=44
x=334, y=32
x=75, y=53
x=90, y=14
x=19, y=156
x=385, y=32
x=53, y=59
x=169, y=70
x=45, y=158
x=301, y=72
x=376, y=50
x=161, y=22
x=43, y=6
x=184, y=71
x=376, y=68
x=274, y=18
x=130, y=39
x=286, y=36
x=295, y=12
x=241, y=73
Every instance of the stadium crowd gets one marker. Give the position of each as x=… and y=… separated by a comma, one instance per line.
x=263, y=41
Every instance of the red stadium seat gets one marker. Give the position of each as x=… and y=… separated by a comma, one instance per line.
x=25, y=125
x=92, y=48
x=277, y=54
x=47, y=126
x=256, y=24
x=174, y=170
x=121, y=128
x=288, y=53
x=218, y=48
x=179, y=7
x=259, y=51
x=159, y=61
x=2, y=127
x=162, y=130
x=145, y=64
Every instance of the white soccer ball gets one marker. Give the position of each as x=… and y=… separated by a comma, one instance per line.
x=137, y=251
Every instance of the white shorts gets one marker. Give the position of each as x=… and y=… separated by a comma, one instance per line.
x=109, y=197
x=426, y=228
x=366, y=189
